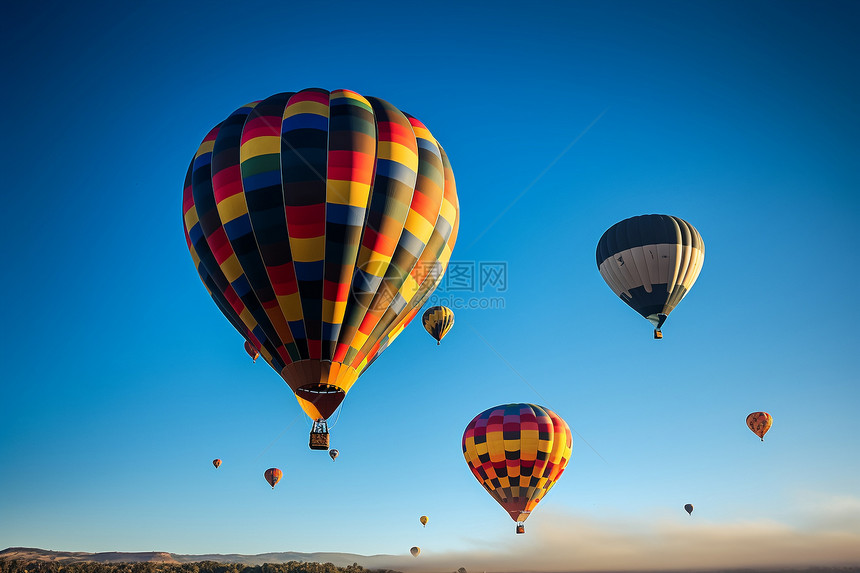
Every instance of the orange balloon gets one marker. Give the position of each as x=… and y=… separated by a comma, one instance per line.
x=252, y=352
x=759, y=423
x=273, y=476
x=216, y=463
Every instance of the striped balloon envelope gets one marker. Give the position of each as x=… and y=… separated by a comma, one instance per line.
x=438, y=320
x=517, y=452
x=651, y=262
x=320, y=223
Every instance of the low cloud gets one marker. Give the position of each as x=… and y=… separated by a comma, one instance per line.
x=829, y=536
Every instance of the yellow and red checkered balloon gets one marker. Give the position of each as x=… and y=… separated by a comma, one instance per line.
x=517, y=452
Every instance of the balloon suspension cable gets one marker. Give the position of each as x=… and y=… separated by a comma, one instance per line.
x=545, y=401
x=290, y=425
x=339, y=410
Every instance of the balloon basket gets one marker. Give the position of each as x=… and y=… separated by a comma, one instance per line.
x=521, y=528
x=658, y=335
x=319, y=436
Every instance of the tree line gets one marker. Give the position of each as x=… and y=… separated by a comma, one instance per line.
x=18, y=566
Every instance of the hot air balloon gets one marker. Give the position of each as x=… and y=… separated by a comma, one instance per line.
x=689, y=508
x=216, y=463
x=651, y=262
x=252, y=352
x=415, y=551
x=517, y=452
x=423, y=520
x=438, y=320
x=273, y=476
x=333, y=454
x=320, y=223
x=759, y=423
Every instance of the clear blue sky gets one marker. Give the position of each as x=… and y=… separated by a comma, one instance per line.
x=122, y=381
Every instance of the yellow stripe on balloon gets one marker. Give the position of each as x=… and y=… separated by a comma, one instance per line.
x=257, y=146
x=350, y=193
x=398, y=152
x=232, y=208
x=308, y=106
x=231, y=268
x=308, y=250
x=205, y=147
x=291, y=305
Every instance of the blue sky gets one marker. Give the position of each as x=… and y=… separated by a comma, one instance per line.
x=122, y=381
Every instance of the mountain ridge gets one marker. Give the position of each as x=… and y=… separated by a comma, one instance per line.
x=335, y=558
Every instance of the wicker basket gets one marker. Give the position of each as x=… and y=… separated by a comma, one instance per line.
x=319, y=441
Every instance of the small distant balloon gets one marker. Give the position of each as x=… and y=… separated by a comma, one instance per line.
x=216, y=462
x=415, y=551
x=273, y=476
x=252, y=352
x=689, y=508
x=438, y=320
x=423, y=520
x=759, y=423
x=333, y=454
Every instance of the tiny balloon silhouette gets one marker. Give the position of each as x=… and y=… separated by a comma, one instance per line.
x=217, y=463
x=415, y=551
x=333, y=454
x=689, y=508
x=423, y=520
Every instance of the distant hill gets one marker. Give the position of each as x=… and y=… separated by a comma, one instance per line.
x=32, y=554
x=337, y=559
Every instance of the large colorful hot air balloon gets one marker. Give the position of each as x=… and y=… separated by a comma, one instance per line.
x=320, y=223
x=651, y=262
x=438, y=320
x=217, y=463
x=689, y=508
x=273, y=476
x=423, y=519
x=759, y=423
x=517, y=452
x=252, y=352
